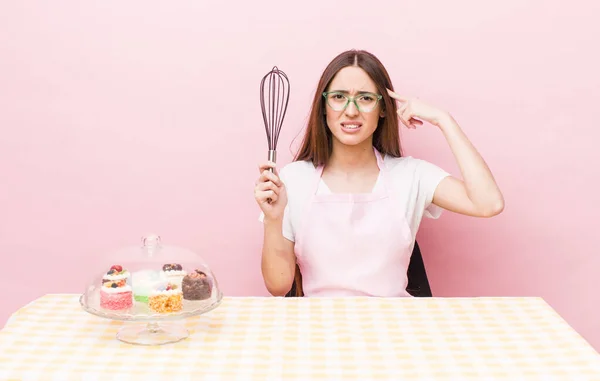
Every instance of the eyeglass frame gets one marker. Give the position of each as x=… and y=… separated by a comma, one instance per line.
x=352, y=99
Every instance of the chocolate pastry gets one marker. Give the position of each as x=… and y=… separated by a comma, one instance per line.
x=196, y=286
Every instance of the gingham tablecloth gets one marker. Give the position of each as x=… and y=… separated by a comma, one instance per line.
x=307, y=339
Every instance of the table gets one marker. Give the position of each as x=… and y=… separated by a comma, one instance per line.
x=268, y=338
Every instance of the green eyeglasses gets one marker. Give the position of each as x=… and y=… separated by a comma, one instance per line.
x=364, y=102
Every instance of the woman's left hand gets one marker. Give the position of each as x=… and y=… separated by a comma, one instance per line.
x=412, y=112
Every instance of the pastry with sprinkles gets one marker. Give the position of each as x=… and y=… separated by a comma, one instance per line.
x=166, y=299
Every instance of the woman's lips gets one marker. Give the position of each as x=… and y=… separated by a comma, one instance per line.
x=351, y=127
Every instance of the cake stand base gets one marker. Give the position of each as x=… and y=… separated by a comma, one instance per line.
x=152, y=334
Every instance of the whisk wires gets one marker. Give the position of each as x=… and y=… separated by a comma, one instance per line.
x=274, y=97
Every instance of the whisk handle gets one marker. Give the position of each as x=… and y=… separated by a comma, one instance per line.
x=272, y=157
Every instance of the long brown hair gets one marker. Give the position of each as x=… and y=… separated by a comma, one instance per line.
x=317, y=142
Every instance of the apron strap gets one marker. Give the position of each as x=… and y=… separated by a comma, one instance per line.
x=317, y=179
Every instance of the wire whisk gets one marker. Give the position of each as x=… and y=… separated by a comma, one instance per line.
x=274, y=97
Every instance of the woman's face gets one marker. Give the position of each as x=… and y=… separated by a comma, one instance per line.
x=352, y=125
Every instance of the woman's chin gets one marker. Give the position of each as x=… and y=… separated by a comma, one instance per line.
x=351, y=140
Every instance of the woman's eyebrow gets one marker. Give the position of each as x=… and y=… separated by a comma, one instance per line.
x=347, y=92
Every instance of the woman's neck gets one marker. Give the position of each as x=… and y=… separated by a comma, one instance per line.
x=348, y=159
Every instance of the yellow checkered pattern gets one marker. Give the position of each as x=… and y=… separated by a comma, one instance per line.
x=307, y=339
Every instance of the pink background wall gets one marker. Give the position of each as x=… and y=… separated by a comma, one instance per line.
x=120, y=118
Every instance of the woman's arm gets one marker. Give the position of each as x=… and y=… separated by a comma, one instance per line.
x=477, y=194
x=278, y=262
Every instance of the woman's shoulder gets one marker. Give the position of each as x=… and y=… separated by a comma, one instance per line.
x=297, y=171
x=403, y=163
x=298, y=178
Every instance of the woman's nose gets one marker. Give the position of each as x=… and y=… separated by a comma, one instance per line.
x=351, y=109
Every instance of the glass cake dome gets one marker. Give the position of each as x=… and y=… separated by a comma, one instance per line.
x=153, y=283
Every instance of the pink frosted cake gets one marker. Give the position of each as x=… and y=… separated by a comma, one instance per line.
x=115, y=293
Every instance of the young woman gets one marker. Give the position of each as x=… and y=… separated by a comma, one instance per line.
x=342, y=218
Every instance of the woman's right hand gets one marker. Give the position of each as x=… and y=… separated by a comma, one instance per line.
x=270, y=193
